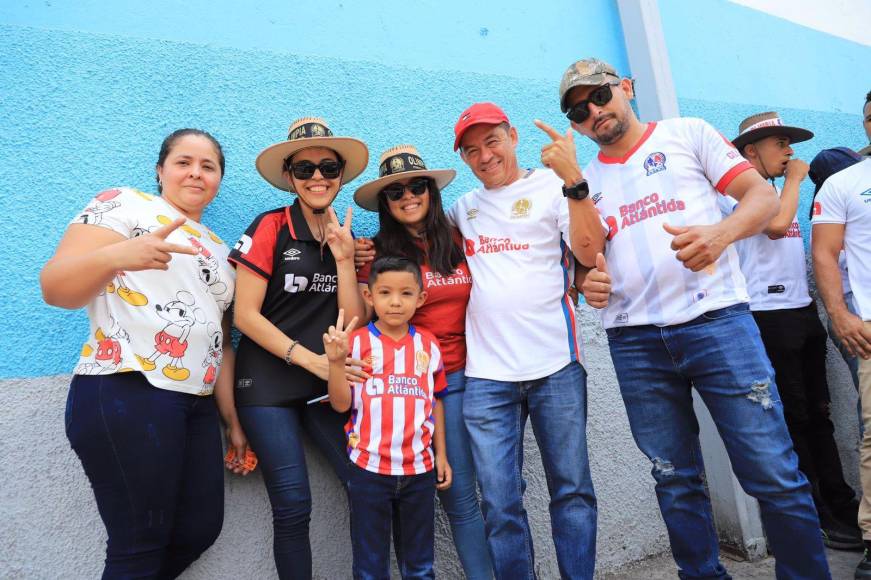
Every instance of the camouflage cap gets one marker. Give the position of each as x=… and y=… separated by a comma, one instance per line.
x=586, y=72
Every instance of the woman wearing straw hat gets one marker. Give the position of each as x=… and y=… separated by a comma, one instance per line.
x=407, y=197
x=295, y=267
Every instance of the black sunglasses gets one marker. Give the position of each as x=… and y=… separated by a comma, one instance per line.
x=395, y=191
x=329, y=168
x=599, y=96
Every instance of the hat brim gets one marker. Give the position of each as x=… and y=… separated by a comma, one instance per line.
x=270, y=162
x=795, y=135
x=366, y=195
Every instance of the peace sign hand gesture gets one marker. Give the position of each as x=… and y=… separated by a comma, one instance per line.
x=560, y=154
x=150, y=251
x=336, y=339
x=338, y=236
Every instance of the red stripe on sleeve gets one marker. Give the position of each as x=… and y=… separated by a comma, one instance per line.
x=732, y=174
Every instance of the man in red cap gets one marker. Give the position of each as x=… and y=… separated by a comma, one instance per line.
x=673, y=303
x=523, y=230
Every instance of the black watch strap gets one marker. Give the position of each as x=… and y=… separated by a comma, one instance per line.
x=579, y=190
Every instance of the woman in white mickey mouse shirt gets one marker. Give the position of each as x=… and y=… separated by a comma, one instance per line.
x=156, y=284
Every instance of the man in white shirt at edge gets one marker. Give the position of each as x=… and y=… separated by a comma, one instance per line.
x=677, y=321
x=842, y=219
x=523, y=355
x=776, y=270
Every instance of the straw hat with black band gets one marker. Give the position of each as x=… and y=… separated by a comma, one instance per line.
x=396, y=164
x=303, y=134
x=762, y=125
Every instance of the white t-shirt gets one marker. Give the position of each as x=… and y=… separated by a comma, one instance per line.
x=520, y=322
x=672, y=175
x=163, y=323
x=845, y=198
x=775, y=270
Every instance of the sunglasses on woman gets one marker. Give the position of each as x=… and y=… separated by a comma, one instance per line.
x=600, y=96
x=395, y=191
x=329, y=168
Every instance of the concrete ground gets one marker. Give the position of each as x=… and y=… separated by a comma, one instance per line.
x=842, y=564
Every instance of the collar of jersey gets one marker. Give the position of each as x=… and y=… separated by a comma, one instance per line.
x=605, y=159
x=296, y=224
x=374, y=330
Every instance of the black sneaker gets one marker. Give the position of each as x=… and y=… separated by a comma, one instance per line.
x=863, y=570
x=839, y=537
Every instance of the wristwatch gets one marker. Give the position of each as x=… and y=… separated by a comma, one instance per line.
x=578, y=190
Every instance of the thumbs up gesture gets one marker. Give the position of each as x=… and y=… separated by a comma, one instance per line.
x=597, y=284
x=560, y=154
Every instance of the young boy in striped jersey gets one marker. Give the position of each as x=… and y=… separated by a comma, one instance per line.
x=396, y=433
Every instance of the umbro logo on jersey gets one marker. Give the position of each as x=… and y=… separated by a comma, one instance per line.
x=472, y=214
x=621, y=318
x=292, y=255
x=596, y=197
x=654, y=163
x=867, y=195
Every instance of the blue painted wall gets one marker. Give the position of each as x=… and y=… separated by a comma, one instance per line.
x=89, y=90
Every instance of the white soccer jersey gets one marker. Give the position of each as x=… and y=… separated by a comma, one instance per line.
x=520, y=322
x=776, y=270
x=845, y=198
x=672, y=175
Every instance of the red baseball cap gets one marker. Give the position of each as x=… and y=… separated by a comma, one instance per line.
x=479, y=113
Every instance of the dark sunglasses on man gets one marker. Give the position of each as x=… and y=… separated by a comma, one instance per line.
x=329, y=168
x=600, y=96
x=395, y=191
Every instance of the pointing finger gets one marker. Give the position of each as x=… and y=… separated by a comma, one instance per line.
x=164, y=231
x=551, y=132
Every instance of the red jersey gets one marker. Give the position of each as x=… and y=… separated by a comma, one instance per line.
x=391, y=424
x=444, y=312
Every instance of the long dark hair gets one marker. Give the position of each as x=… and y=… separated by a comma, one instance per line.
x=442, y=250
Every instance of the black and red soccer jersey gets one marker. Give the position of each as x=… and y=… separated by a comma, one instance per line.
x=300, y=300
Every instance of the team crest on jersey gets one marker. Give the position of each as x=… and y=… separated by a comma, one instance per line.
x=654, y=163
x=353, y=440
x=520, y=208
x=421, y=362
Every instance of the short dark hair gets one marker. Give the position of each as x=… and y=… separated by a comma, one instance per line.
x=169, y=143
x=867, y=98
x=394, y=264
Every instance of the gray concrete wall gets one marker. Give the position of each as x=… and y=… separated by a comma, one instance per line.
x=50, y=527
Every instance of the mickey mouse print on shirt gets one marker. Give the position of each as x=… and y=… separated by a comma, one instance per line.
x=165, y=324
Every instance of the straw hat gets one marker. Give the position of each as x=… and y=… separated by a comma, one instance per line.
x=311, y=132
x=762, y=125
x=398, y=163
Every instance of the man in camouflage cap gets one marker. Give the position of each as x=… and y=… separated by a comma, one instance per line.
x=677, y=319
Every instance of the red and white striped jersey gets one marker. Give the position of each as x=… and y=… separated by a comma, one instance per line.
x=391, y=424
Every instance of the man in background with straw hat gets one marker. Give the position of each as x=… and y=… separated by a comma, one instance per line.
x=776, y=270
x=521, y=228
x=674, y=305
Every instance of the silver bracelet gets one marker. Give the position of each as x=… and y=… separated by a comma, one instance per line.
x=287, y=358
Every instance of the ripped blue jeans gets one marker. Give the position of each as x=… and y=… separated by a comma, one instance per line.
x=720, y=354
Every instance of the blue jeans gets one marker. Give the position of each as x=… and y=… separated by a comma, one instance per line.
x=721, y=355
x=276, y=436
x=496, y=414
x=407, y=502
x=460, y=501
x=153, y=458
